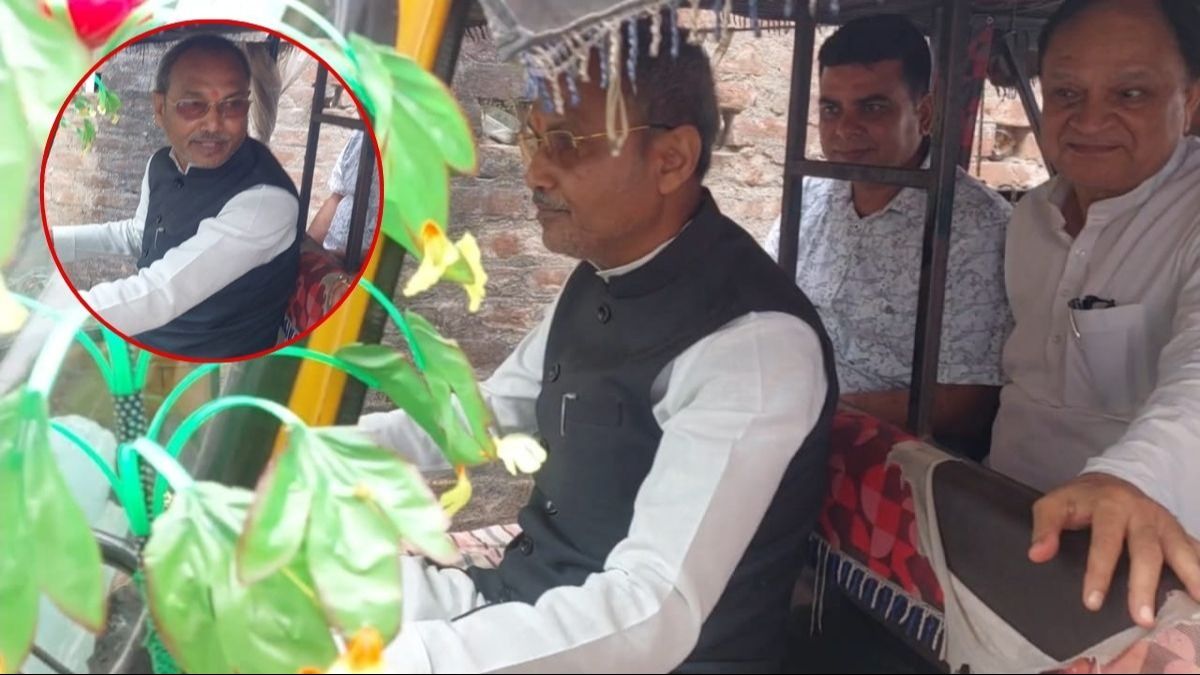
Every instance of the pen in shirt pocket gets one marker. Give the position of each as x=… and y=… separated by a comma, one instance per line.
x=1085, y=303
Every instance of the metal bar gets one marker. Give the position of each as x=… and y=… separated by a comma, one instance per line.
x=1025, y=90
x=954, y=32
x=310, y=148
x=117, y=552
x=340, y=120
x=388, y=257
x=910, y=178
x=797, y=138
x=54, y=664
x=358, y=212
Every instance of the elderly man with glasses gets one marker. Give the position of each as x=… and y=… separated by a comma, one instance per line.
x=216, y=233
x=684, y=389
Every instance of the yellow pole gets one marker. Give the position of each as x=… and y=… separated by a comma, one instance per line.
x=318, y=388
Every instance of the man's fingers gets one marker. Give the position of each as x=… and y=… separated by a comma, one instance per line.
x=1051, y=514
x=1145, y=568
x=1183, y=556
x=1108, y=540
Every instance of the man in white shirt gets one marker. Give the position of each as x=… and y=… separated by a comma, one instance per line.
x=859, y=255
x=331, y=226
x=1103, y=274
x=684, y=389
x=216, y=231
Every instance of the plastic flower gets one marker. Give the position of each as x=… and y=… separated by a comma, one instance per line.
x=520, y=452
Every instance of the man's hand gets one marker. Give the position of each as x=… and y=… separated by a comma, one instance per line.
x=1117, y=511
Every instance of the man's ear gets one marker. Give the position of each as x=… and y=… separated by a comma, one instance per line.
x=160, y=104
x=925, y=114
x=1193, y=106
x=678, y=155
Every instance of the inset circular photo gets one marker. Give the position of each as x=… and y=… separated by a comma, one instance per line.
x=211, y=191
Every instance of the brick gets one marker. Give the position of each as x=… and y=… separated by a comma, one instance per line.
x=1012, y=174
x=1027, y=147
x=550, y=278
x=491, y=202
x=736, y=96
x=503, y=245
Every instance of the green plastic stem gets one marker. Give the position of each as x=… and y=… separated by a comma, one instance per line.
x=192, y=423
x=50, y=359
x=160, y=416
x=82, y=337
x=397, y=318
x=92, y=454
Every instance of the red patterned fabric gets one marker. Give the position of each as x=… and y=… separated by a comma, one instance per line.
x=868, y=513
x=320, y=285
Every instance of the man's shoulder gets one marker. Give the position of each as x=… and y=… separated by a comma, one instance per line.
x=975, y=200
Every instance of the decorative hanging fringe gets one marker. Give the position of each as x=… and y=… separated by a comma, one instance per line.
x=564, y=62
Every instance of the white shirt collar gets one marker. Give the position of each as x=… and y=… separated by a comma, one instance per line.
x=176, y=160
x=631, y=266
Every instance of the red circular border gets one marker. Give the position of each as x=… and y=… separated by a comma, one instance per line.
x=369, y=130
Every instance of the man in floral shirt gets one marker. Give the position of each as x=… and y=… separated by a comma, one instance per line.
x=860, y=244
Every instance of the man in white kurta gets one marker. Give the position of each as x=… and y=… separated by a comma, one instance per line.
x=1103, y=275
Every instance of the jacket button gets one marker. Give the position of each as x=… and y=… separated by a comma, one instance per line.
x=179, y=182
x=554, y=372
x=603, y=313
x=158, y=220
x=551, y=509
x=526, y=545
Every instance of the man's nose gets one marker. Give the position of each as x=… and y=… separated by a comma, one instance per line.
x=539, y=174
x=1091, y=116
x=848, y=126
x=212, y=120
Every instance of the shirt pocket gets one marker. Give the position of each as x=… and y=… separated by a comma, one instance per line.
x=1108, y=362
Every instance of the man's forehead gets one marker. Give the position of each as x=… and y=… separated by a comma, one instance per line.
x=856, y=81
x=1116, y=35
x=588, y=107
x=208, y=69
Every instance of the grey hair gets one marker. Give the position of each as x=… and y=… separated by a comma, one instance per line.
x=213, y=44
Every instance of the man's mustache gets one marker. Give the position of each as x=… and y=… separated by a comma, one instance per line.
x=548, y=203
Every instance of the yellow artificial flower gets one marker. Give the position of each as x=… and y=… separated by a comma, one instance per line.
x=455, y=498
x=12, y=313
x=468, y=249
x=437, y=254
x=364, y=654
x=520, y=452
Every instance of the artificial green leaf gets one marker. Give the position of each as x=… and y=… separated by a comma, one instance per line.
x=18, y=590
x=16, y=159
x=419, y=179
x=45, y=57
x=189, y=550
x=402, y=384
x=274, y=625
x=462, y=448
x=395, y=229
x=431, y=107
x=396, y=486
x=278, y=519
x=375, y=83
x=446, y=361
x=353, y=557
x=108, y=103
x=87, y=134
x=66, y=556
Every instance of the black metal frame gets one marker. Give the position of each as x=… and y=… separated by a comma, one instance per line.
x=366, y=165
